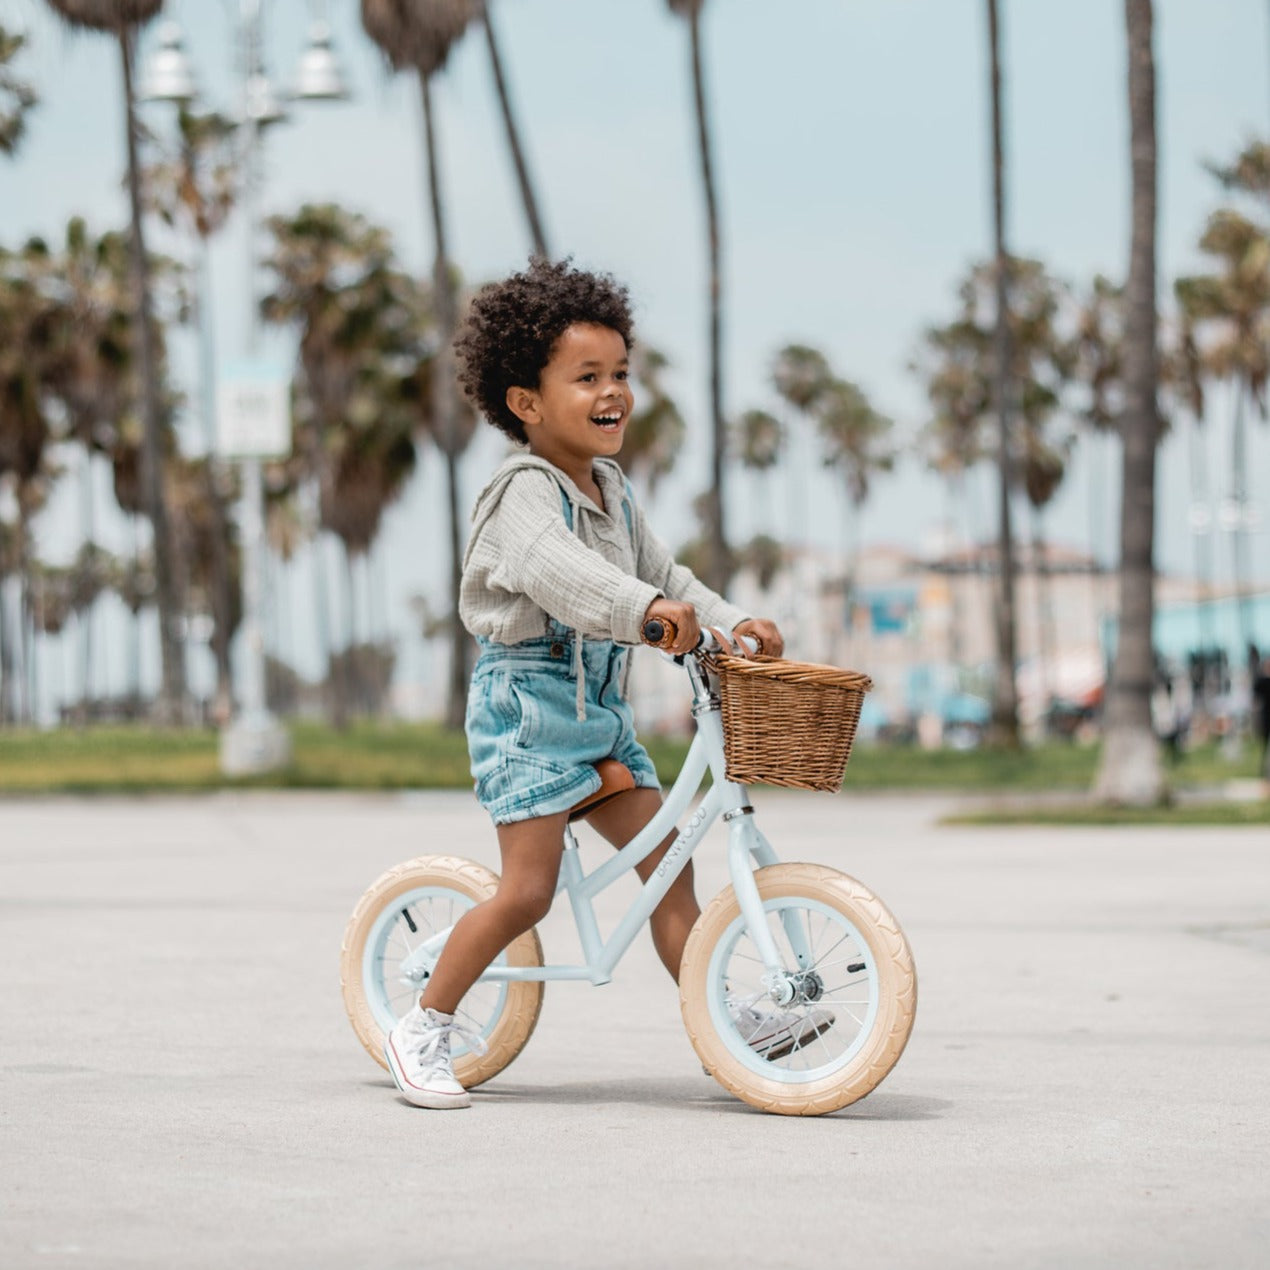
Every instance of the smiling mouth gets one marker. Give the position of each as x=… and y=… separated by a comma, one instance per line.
x=609, y=421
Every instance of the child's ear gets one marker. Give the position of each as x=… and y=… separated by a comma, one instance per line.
x=523, y=403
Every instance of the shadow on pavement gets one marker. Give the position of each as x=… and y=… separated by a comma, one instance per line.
x=697, y=1096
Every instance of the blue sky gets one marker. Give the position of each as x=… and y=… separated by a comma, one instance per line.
x=852, y=146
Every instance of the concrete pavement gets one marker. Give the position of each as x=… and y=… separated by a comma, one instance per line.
x=1088, y=1082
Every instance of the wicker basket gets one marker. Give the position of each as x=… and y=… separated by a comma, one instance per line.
x=788, y=723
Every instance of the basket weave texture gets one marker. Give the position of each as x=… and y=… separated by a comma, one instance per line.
x=788, y=723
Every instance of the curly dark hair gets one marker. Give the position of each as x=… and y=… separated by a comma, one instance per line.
x=512, y=326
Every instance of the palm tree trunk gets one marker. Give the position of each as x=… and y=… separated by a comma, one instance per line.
x=1203, y=541
x=513, y=139
x=134, y=629
x=1239, y=533
x=322, y=623
x=1044, y=626
x=8, y=697
x=720, y=567
x=220, y=580
x=1005, y=696
x=31, y=698
x=351, y=677
x=171, y=703
x=445, y=417
x=87, y=528
x=1130, y=770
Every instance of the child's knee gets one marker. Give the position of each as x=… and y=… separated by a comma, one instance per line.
x=525, y=906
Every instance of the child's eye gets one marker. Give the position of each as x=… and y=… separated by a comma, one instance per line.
x=623, y=375
x=587, y=378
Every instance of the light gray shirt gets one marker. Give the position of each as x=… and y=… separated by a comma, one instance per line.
x=525, y=564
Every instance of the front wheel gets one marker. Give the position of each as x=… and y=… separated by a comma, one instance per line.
x=382, y=974
x=840, y=1015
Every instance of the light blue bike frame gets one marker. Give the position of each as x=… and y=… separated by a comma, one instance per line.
x=747, y=848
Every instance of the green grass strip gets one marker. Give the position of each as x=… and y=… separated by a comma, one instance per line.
x=1178, y=814
x=378, y=756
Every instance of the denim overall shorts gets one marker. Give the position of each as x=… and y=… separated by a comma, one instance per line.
x=531, y=754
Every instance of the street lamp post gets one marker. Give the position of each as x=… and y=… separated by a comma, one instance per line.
x=254, y=741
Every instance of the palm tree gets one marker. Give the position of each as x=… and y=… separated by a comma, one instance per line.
x=1099, y=368
x=27, y=323
x=1043, y=466
x=960, y=370
x=719, y=567
x=1005, y=696
x=1129, y=770
x=419, y=35
x=800, y=375
x=333, y=279
x=1232, y=311
x=1182, y=372
x=760, y=444
x=10, y=563
x=760, y=440
x=655, y=433
x=90, y=376
x=854, y=441
x=121, y=19
x=196, y=188
x=527, y=198
x=16, y=96
x=209, y=551
x=51, y=607
x=952, y=443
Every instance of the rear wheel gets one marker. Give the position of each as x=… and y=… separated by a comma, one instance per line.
x=841, y=1014
x=381, y=980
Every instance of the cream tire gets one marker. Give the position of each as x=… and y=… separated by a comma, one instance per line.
x=862, y=975
x=397, y=912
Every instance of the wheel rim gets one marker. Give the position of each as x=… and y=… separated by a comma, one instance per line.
x=842, y=961
x=401, y=927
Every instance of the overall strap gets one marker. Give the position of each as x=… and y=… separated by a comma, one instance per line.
x=579, y=665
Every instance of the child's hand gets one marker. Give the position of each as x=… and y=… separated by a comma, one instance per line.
x=684, y=619
x=771, y=642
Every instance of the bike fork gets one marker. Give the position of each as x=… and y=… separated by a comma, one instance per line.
x=746, y=844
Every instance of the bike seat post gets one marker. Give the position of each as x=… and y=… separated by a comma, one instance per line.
x=572, y=880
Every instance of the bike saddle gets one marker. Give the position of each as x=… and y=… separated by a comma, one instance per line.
x=615, y=778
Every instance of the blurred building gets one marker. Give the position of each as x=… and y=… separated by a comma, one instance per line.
x=921, y=624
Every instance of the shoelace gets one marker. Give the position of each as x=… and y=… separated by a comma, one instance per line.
x=438, y=1036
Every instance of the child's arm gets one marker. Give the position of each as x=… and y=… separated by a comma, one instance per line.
x=541, y=557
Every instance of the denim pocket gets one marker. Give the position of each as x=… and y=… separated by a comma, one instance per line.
x=525, y=712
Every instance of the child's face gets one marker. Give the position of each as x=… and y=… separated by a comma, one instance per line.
x=583, y=401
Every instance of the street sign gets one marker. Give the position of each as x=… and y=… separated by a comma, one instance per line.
x=253, y=411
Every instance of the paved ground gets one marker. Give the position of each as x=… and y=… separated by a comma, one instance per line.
x=1088, y=1083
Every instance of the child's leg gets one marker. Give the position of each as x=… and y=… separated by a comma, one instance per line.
x=531, y=851
x=618, y=821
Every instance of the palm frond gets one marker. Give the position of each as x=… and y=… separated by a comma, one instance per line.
x=417, y=33
x=105, y=15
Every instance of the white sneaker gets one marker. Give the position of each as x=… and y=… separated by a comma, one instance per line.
x=418, y=1054
x=775, y=1033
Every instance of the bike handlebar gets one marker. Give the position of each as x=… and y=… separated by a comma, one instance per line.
x=661, y=632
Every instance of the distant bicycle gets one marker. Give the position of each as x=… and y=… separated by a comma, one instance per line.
x=797, y=985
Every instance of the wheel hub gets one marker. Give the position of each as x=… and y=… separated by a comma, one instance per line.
x=798, y=988
x=808, y=986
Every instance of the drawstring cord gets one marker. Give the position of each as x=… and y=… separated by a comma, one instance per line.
x=579, y=666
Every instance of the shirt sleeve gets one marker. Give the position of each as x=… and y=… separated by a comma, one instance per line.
x=541, y=557
x=657, y=566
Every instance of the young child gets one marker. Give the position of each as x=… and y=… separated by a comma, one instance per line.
x=560, y=574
